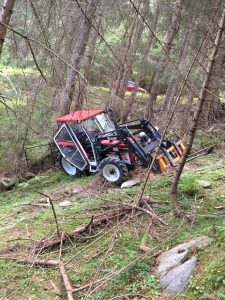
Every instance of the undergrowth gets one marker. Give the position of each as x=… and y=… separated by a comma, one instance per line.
x=120, y=243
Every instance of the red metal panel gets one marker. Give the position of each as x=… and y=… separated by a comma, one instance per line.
x=80, y=115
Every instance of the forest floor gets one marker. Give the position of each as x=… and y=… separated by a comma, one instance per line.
x=111, y=251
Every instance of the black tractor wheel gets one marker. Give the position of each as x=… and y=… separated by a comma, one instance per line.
x=113, y=170
x=68, y=168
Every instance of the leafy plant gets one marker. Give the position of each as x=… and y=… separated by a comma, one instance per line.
x=188, y=185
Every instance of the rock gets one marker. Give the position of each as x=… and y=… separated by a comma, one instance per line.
x=174, y=256
x=65, y=203
x=130, y=183
x=205, y=184
x=23, y=184
x=72, y=191
x=6, y=183
x=28, y=175
x=176, y=280
x=174, y=269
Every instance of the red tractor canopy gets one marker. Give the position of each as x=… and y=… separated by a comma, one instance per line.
x=80, y=115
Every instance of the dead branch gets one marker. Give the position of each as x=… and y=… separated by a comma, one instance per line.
x=133, y=262
x=116, y=214
x=149, y=211
x=42, y=45
x=143, y=246
x=110, y=247
x=16, y=115
x=66, y=281
x=46, y=243
x=23, y=239
x=50, y=263
x=55, y=288
x=83, y=287
x=150, y=254
x=54, y=213
x=35, y=60
x=122, y=221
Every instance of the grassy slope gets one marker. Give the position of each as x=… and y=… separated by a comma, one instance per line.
x=19, y=220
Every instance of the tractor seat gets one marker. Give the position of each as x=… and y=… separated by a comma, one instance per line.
x=151, y=146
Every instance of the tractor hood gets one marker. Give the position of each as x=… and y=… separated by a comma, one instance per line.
x=80, y=115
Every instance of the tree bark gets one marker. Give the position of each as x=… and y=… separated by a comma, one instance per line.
x=167, y=42
x=127, y=106
x=212, y=105
x=125, y=68
x=78, y=52
x=172, y=87
x=118, y=92
x=202, y=99
x=7, y=10
x=196, y=83
x=88, y=61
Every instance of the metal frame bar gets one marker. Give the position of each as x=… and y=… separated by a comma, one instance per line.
x=74, y=140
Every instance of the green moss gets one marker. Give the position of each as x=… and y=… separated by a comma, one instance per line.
x=188, y=184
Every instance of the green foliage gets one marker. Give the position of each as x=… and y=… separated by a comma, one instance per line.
x=220, y=235
x=210, y=280
x=188, y=184
x=149, y=284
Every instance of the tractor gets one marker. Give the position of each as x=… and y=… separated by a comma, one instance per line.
x=93, y=141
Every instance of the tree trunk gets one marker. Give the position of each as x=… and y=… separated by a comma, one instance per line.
x=197, y=79
x=58, y=71
x=78, y=52
x=126, y=68
x=131, y=58
x=202, y=99
x=172, y=87
x=7, y=10
x=88, y=60
x=167, y=42
x=127, y=52
x=127, y=106
x=212, y=105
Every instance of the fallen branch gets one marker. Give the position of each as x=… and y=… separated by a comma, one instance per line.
x=122, y=210
x=221, y=207
x=50, y=263
x=66, y=281
x=53, y=210
x=150, y=254
x=143, y=246
x=46, y=243
x=83, y=287
x=149, y=211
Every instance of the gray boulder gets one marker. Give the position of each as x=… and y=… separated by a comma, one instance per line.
x=176, y=280
x=175, y=267
x=130, y=183
x=6, y=183
x=65, y=203
x=205, y=184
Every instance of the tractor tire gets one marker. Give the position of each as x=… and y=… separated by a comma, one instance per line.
x=113, y=170
x=68, y=168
